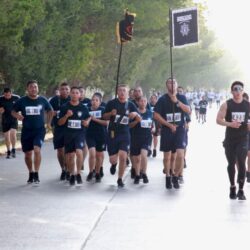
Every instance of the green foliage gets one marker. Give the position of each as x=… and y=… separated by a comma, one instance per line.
x=56, y=40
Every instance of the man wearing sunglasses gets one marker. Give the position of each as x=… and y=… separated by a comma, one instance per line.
x=234, y=114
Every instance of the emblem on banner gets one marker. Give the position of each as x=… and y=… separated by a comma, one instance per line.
x=184, y=29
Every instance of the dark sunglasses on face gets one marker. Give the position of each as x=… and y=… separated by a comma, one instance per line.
x=237, y=89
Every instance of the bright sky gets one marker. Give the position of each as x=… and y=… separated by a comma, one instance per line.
x=230, y=21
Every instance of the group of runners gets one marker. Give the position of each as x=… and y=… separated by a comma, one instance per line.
x=126, y=126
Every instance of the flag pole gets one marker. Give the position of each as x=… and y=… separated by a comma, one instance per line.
x=171, y=56
x=118, y=69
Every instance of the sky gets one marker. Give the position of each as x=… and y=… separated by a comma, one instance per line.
x=230, y=21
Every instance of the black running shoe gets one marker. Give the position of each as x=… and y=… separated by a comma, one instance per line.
x=79, y=179
x=241, y=195
x=168, y=182
x=68, y=176
x=132, y=173
x=72, y=180
x=31, y=178
x=98, y=178
x=137, y=179
x=94, y=173
x=90, y=176
x=63, y=175
x=232, y=194
x=248, y=176
x=101, y=172
x=175, y=181
x=13, y=152
x=154, y=152
x=36, y=178
x=113, y=169
x=120, y=183
x=8, y=154
x=145, y=178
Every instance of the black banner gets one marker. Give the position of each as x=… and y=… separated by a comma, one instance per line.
x=184, y=26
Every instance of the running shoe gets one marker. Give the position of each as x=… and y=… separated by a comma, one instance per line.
x=72, y=180
x=79, y=179
x=181, y=179
x=31, y=178
x=137, y=179
x=101, y=172
x=149, y=152
x=241, y=195
x=63, y=175
x=232, y=194
x=120, y=183
x=98, y=178
x=8, y=154
x=113, y=169
x=90, y=176
x=168, y=182
x=13, y=152
x=36, y=178
x=145, y=178
x=175, y=182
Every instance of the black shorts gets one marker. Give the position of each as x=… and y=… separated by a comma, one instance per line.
x=120, y=142
x=173, y=141
x=9, y=124
x=96, y=141
x=31, y=138
x=58, y=138
x=137, y=144
x=74, y=141
x=203, y=111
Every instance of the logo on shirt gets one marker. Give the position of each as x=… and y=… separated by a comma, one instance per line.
x=79, y=113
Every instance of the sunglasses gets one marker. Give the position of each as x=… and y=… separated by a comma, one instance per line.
x=237, y=89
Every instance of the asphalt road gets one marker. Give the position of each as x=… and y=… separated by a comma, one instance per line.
x=100, y=216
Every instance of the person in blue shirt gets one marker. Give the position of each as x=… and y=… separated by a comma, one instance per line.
x=203, y=109
x=75, y=118
x=119, y=111
x=141, y=140
x=58, y=131
x=96, y=138
x=30, y=109
x=9, y=123
x=170, y=112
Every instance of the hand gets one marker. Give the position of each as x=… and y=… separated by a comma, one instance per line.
x=235, y=124
x=133, y=115
x=20, y=117
x=113, y=112
x=85, y=123
x=173, y=128
x=69, y=113
x=1, y=110
x=173, y=98
x=138, y=118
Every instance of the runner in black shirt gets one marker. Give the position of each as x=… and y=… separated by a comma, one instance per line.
x=9, y=123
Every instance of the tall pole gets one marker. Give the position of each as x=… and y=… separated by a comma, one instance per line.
x=118, y=69
x=171, y=56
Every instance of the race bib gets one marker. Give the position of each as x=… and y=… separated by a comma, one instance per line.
x=33, y=110
x=124, y=120
x=146, y=123
x=76, y=124
x=96, y=114
x=116, y=118
x=238, y=116
x=176, y=116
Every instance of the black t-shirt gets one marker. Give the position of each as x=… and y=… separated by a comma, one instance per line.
x=143, y=129
x=8, y=104
x=86, y=101
x=203, y=104
x=74, y=123
x=95, y=128
x=147, y=107
x=120, y=122
x=237, y=112
x=33, y=111
x=56, y=103
x=170, y=111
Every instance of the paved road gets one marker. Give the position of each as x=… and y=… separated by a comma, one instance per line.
x=145, y=217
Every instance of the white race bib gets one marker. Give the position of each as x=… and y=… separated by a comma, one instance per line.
x=76, y=124
x=124, y=120
x=117, y=117
x=146, y=123
x=33, y=110
x=238, y=116
x=96, y=114
x=177, y=117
